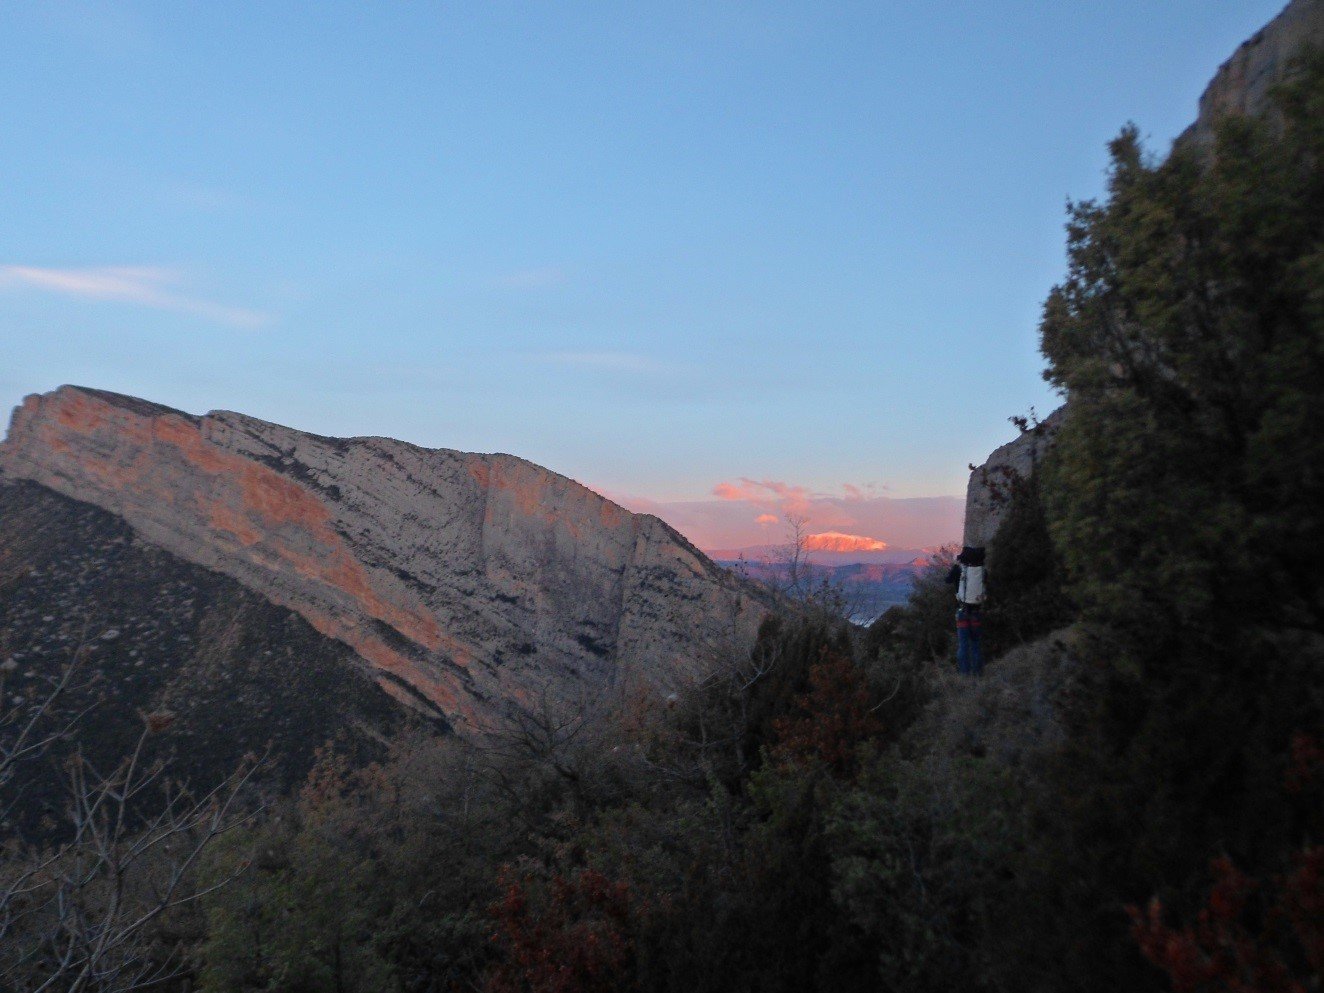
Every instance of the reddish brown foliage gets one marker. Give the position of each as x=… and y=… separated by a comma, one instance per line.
x=351, y=799
x=1307, y=766
x=572, y=938
x=1238, y=944
x=833, y=717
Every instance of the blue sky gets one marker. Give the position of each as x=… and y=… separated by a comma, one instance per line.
x=653, y=246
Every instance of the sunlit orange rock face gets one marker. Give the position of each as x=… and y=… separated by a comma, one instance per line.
x=470, y=583
x=835, y=541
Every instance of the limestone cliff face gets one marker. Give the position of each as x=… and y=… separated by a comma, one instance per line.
x=1243, y=82
x=987, y=495
x=466, y=581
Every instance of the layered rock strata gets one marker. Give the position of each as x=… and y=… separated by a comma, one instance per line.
x=466, y=581
x=225, y=672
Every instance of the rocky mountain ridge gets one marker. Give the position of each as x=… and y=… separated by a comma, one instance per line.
x=989, y=491
x=465, y=581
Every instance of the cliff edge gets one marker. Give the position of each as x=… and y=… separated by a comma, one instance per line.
x=1243, y=82
x=466, y=581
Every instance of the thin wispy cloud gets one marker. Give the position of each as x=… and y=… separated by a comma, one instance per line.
x=145, y=286
x=607, y=361
x=866, y=492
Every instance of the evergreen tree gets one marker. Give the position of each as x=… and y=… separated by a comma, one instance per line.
x=1186, y=497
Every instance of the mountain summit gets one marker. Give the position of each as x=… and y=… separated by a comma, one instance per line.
x=466, y=582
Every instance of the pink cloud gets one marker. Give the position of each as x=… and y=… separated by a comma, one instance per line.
x=744, y=513
x=768, y=494
x=855, y=493
x=729, y=491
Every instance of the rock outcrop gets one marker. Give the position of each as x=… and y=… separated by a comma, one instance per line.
x=988, y=494
x=1243, y=82
x=467, y=582
x=1241, y=86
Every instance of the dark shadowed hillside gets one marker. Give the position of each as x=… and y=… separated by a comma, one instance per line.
x=152, y=634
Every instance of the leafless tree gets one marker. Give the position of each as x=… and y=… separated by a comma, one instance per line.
x=552, y=747
x=27, y=731
x=81, y=914
x=707, y=729
x=813, y=588
x=794, y=557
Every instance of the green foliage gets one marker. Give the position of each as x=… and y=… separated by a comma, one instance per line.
x=729, y=719
x=1185, y=498
x=1190, y=339
x=925, y=627
x=373, y=880
x=629, y=871
x=299, y=920
x=922, y=852
x=1028, y=601
x=907, y=645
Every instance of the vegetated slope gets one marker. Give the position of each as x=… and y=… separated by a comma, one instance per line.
x=1179, y=822
x=1168, y=834
x=469, y=582
x=227, y=671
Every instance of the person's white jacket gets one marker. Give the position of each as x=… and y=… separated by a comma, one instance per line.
x=970, y=587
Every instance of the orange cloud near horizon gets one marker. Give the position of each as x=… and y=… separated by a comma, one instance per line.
x=835, y=541
x=766, y=494
x=746, y=513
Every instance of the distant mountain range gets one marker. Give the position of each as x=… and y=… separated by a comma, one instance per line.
x=828, y=550
x=867, y=574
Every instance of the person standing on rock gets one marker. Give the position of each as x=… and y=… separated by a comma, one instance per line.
x=967, y=575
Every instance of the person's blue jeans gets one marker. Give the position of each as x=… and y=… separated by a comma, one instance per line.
x=969, y=654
